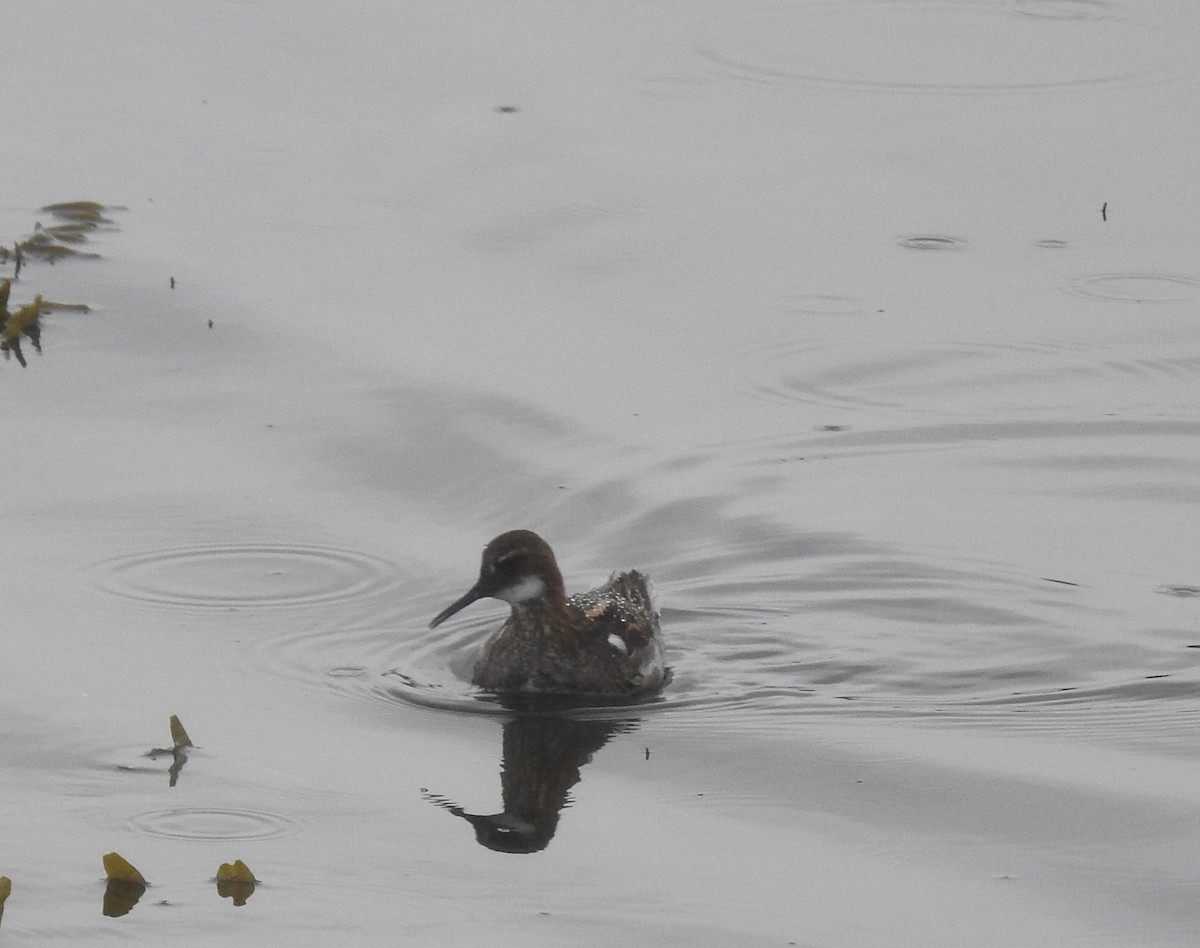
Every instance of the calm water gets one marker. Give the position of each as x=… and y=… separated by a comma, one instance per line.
x=909, y=449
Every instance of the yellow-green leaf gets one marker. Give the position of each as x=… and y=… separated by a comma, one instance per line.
x=178, y=734
x=238, y=871
x=118, y=869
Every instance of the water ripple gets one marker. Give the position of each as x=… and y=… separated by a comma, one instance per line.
x=1136, y=287
x=245, y=576
x=984, y=380
x=823, y=304
x=767, y=624
x=1182, y=592
x=999, y=47
x=931, y=242
x=211, y=823
x=1064, y=9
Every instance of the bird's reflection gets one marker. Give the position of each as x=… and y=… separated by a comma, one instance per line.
x=544, y=752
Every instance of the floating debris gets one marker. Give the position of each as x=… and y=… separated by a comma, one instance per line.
x=125, y=886
x=5, y=891
x=235, y=881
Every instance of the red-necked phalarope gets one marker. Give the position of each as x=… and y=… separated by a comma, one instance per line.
x=605, y=641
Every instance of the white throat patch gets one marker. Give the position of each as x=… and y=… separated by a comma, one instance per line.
x=528, y=588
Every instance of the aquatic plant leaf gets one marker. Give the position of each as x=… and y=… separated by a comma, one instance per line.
x=5, y=891
x=52, y=253
x=5, y=289
x=88, y=211
x=237, y=871
x=52, y=306
x=22, y=319
x=235, y=882
x=180, y=747
x=70, y=233
x=120, y=897
x=118, y=869
x=178, y=735
x=179, y=757
x=14, y=347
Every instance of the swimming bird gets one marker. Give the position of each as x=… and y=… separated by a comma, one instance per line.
x=604, y=642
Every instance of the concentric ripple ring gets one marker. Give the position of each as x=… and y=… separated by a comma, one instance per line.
x=230, y=576
x=1137, y=287
x=998, y=46
x=212, y=823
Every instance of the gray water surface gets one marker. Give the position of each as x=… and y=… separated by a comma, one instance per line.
x=866, y=328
